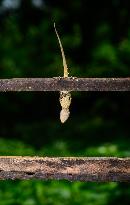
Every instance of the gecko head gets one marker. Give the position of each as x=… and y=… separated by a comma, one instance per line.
x=64, y=115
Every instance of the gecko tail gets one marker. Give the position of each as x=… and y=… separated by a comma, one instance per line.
x=62, y=52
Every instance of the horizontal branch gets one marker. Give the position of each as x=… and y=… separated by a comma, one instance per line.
x=70, y=84
x=73, y=169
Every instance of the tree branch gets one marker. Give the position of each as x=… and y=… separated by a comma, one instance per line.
x=68, y=84
x=101, y=169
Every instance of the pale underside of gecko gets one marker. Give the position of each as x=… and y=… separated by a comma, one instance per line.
x=65, y=96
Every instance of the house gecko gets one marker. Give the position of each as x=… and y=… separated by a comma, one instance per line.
x=65, y=96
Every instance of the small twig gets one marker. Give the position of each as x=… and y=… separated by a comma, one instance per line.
x=73, y=169
x=68, y=84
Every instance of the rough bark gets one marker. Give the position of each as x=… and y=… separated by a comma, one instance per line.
x=96, y=169
x=68, y=84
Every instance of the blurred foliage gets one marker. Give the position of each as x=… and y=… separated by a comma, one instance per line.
x=96, y=40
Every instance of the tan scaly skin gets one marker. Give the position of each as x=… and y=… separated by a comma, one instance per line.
x=65, y=96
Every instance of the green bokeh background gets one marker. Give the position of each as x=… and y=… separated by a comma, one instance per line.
x=96, y=40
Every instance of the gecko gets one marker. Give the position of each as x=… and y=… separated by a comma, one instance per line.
x=65, y=96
